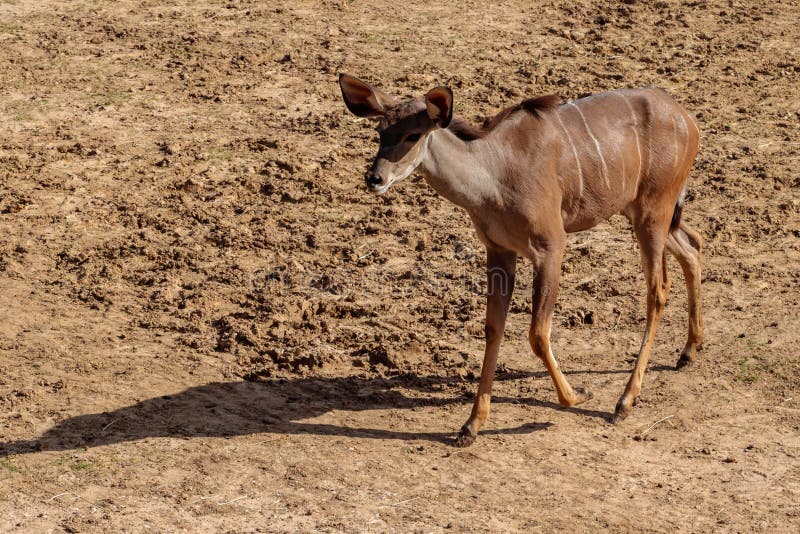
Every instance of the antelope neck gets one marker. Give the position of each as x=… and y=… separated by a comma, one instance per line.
x=461, y=171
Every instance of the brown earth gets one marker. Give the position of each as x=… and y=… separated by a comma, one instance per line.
x=206, y=322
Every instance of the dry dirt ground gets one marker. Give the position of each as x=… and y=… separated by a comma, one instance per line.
x=206, y=322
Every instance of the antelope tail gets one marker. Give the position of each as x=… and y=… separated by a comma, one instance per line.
x=676, y=214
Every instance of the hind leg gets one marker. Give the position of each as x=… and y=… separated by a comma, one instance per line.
x=685, y=243
x=651, y=245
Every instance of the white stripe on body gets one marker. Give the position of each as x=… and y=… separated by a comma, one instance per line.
x=686, y=132
x=622, y=159
x=675, y=142
x=636, y=134
x=574, y=153
x=596, y=144
x=696, y=127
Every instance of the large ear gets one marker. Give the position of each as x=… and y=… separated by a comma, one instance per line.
x=439, y=102
x=361, y=98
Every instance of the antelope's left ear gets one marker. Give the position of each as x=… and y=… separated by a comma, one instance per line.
x=439, y=102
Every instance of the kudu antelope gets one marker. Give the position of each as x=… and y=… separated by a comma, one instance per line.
x=532, y=174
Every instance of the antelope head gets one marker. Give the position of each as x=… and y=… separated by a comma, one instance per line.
x=404, y=128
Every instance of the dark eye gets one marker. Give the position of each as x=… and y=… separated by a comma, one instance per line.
x=412, y=137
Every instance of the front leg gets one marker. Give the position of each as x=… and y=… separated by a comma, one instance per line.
x=501, y=266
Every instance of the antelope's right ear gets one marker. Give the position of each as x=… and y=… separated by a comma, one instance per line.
x=439, y=103
x=361, y=98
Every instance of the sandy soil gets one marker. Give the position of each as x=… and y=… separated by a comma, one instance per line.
x=207, y=323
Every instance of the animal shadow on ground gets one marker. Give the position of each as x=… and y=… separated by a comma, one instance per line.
x=276, y=406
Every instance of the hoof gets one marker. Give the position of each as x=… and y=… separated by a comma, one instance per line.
x=621, y=412
x=618, y=417
x=465, y=437
x=684, y=361
x=582, y=395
